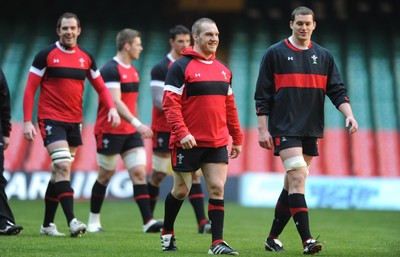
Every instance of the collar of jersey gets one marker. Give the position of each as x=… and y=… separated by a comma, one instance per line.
x=190, y=51
x=65, y=49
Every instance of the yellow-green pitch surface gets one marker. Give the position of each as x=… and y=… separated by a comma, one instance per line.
x=342, y=232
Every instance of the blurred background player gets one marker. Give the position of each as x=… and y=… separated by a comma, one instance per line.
x=122, y=80
x=179, y=38
x=199, y=105
x=7, y=222
x=61, y=69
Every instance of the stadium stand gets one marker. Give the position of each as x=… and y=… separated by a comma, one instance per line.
x=383, y=96
x=363, y=161
x=368, y=56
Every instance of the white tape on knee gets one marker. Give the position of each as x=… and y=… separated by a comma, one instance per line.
x=72, y=157
x=61, y=155
x=294, y=163
x=161, y=164
x=135, y=158
x=107, y=162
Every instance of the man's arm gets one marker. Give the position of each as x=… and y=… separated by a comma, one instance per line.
x=107, y=99
x=264, y=137
x=29, y=97
x=232, y=118
x=157, y=93
x=126, y=114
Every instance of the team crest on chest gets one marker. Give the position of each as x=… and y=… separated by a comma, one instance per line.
x=224, y=74
x=82, y=62
x=314, y=58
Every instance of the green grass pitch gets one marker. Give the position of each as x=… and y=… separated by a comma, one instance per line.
x=343, y=232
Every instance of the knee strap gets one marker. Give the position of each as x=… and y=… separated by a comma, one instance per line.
x=135, y=158
x=61, y=155
x=107, y=162
x=294, y=163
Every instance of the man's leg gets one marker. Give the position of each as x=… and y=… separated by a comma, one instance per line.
x=61, y=157
x=215, y=175
x=173, y=203
x=107, y=165
x=297, y=169
x=48, y=227
x=7, y=222
x=135, y=162
x=160, y=163
x=196, y=198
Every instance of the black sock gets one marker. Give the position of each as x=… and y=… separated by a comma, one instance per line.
x=97, y=198
x=51, y=204
x=65, y=195
x=216, y=211
x=299, y=211
x=141, y=196
x=153, y=193
x=196, y=198
x=172, y=207
x=282, y=215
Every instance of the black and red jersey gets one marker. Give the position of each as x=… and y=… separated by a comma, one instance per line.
x=118, y=75
x=61, y=74
x=158, y=74
x=198, y=100
x=5, y=109
x=291, y=89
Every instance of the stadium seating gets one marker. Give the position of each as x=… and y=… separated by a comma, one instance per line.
x=368, y=58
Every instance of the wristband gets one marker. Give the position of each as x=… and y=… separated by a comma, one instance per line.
x=135, y=122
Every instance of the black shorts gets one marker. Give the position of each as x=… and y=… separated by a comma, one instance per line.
x=309, y=144
x=161, y=142
x=109, y=144
x=53, y=130
x=191, y=159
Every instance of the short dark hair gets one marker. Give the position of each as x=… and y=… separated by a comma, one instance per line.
x=68, y=15
x=196, y=25
x=177, y=30
x=126, y=36
x=302, y=10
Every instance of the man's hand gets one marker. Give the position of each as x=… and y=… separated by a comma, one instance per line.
x=6, y=142
x=351, y=124
x=29, y=131
x=188, y=142
x=145, y=131
x=235, y=151
x=114, y=118
x=265, y=139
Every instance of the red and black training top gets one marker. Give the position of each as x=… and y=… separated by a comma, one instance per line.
x=198, y=100
x=116, y=74
x=158, y=75
x=61, y=73
x=291, y=88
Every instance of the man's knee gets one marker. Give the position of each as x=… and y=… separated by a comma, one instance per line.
x=61, y=162
x=295, y=163
x=135, y=158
